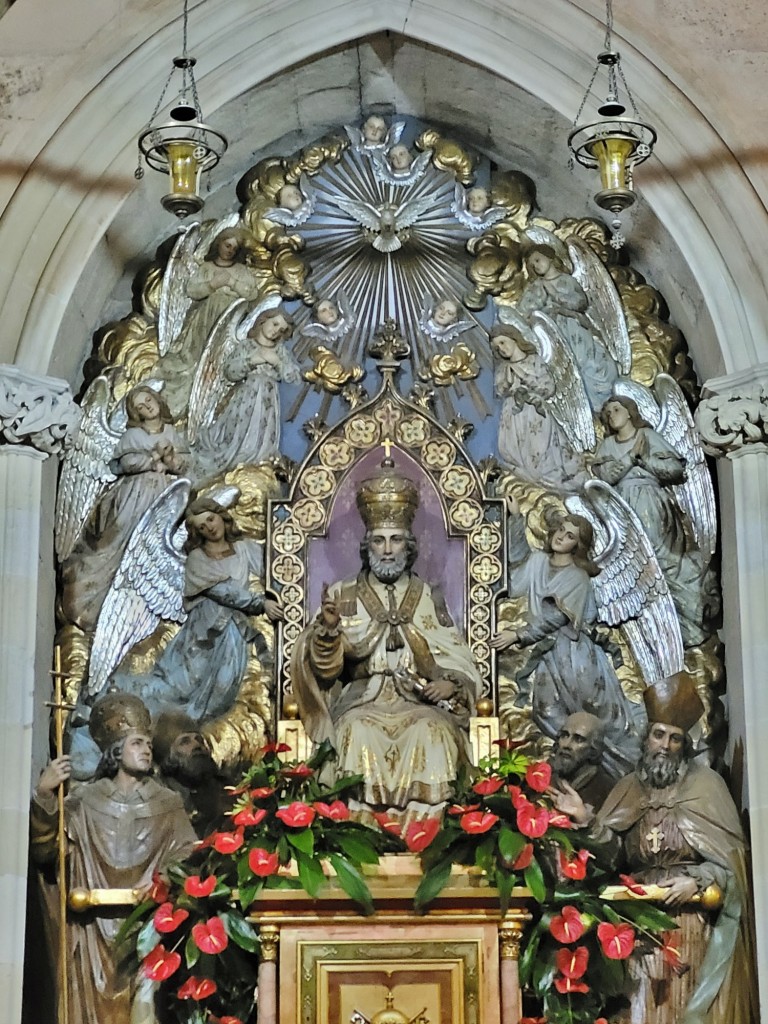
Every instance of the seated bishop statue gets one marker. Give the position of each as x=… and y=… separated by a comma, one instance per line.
x=383, y=673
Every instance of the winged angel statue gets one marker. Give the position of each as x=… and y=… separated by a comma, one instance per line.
x=472, y=208
x=597, y=566
x=295, y=204
x=189, y=564
x=333, y=319
x=374, y=135
x=234, y=405
x=583, y=304
x=441, y=320
x=652, y=456
x=120, y=459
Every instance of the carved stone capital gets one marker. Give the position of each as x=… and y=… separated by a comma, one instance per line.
x=35, y=411
x=511, y=931
x=269, y=936
x=732, y=417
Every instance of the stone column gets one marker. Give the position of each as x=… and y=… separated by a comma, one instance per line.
x=35, y=414
x=269, y=936
x=510, y=936
x=733, y=423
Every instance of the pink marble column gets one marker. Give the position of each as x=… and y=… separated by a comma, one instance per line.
x=267, y=1013
x=510, y=936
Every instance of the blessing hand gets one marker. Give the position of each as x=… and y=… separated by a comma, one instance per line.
x=567, y=801
x=329, y=615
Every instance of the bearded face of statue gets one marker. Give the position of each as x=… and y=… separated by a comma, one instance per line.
x=190, y=760
x=390, y=552
x=663, y=754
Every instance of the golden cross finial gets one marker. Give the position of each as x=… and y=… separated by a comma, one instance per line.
x=387, y=446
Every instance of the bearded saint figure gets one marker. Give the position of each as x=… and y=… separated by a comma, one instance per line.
x=383, y=673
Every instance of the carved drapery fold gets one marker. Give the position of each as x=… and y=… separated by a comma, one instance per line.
x=35, y=411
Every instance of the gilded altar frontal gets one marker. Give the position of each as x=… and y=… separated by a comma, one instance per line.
x=389, y=682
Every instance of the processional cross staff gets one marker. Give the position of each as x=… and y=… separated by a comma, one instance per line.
x=59, y=707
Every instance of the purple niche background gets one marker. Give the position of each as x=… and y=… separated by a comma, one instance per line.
x=337, y=555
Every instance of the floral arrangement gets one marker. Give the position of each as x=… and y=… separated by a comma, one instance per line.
x=191, y=934
x=285, y=830
x=574, y=958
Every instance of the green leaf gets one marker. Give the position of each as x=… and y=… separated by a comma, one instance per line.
x=283, y=852
x=534, y=879
x=542, y=976
x=281, y=882
x=528, y=957
x=612, y=974
x=504, y=883
x=147, y=939
x=310, y=874
x=357, y=848
x=485, y=855
x=646, y=916
x=238, y=929
x=561, y=837
x=248, y=893
x=191, y=952
x=352, y=882
x=130, y=923
x=510, y=844
x=304, y=841
x=432, y=884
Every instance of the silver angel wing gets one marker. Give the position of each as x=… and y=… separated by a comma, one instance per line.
x=570, y=404
x=85, y=472
x=147, y=586
x=364, y=213
x=210, y=385
x=394, y=134
x=186, y=256
x=604, y=311
x=295, y=218
x=385, y=173
x=355, y=136
x=411, y=209
x=696, y=497
x=630, y=589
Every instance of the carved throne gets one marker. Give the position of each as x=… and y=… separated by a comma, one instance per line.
x=335, y=962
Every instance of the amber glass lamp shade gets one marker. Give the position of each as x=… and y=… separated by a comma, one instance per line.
x=184, y=169
x=611, y=155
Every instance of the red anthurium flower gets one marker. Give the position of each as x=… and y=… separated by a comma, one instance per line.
x=200, y=887
x=532, y=1020
x=159, y=891
x=601, y=1020
x=296, y=815
x=263, y=863
x=565, y=986
x=420, y=834
x=275, y=748
x=210, y=936
x=524, y=858
x=567, y=926
x=632, y=885
x=236, y=790
x=249, y=816
x=196, y=988
x=337, y=811
x=670, y=950
x=457, y=809
x=560, y=820
x=487, y=786
x=519, y=799
x=576, y=868
x=572, y=963
x=532, y=821
x=301, y=771
x=167, y=920
x=160, y=964
x=228, y=842
x=262, y=792
x=387, y=824
x=617, y=940
x=538, y=776
x=227, y=1020
x=478, y=821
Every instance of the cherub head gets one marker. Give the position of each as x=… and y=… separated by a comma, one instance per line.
x=374, y=130
x=143, y=404
x=446, y=313
x=327, y=312
x=271, y=327
x=400, y=158
x=478, y=200
x=290, y=197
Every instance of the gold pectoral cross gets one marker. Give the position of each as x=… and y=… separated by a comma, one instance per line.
x=655, y=837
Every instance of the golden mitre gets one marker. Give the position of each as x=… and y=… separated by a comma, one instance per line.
x=387, y=499
x=115, y=715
